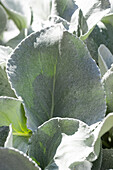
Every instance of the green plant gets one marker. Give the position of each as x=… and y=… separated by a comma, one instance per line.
x=55, y=105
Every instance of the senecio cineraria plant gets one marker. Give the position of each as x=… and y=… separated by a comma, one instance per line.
x=56, y=84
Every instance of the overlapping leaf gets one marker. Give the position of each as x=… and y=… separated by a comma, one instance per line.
x=5, y=88
x=3, y=19
x=102, y=34
x=93, y=11
x=11, y=159
x=4, y=130
x=11, y=112
x=16, y=11
x=64, y=143
x=108, y=85
x=105, y=59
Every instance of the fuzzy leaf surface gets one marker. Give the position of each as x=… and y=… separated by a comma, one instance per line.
x=55, y=76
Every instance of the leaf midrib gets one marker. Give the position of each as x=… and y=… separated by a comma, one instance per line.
x=53, y=91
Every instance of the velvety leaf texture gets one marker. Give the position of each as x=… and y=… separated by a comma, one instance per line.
x=11, y=159
x=54, y=74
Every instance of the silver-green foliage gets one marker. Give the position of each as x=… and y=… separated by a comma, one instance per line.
x=54, y=74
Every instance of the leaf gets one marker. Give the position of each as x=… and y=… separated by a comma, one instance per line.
x=21, y=143
x=4, y=53
x=105, y=59
x=12, y=112
x=9, y=140
x=63, y=8
x=5, y=88
x=54, y=74
x=93, y=11
x=82, y=24
x=64, y=143
x=16, y=11
x=108, y=19
x=72, y=149
x=107, y=161
x=4, y=130
x=97, y=163
x=108, y=86
x=11, y=159
x=3, y=19
x=102, y=34
x=41, y=15
x=16, y=40
x=46, y=140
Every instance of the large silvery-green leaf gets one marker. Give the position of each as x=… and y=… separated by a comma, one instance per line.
x=54, y=74
x=3, y=19
x=105, y=59
x=16, y=11
x=11, y=159
x=93, y=11
x=12, y=112
x=4, y=130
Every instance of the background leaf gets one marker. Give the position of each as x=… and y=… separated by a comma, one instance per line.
x=4, y=130
x=107, y=161
x=12, y=112
x=63, y=8
x=54, y=74
x=93, y=11
x=11, y=159
x=41, y=15
x=108, y=85
x=102, y=34
x=3, y=19
x=105, y=59
x=16, y=11
x=5, y=88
